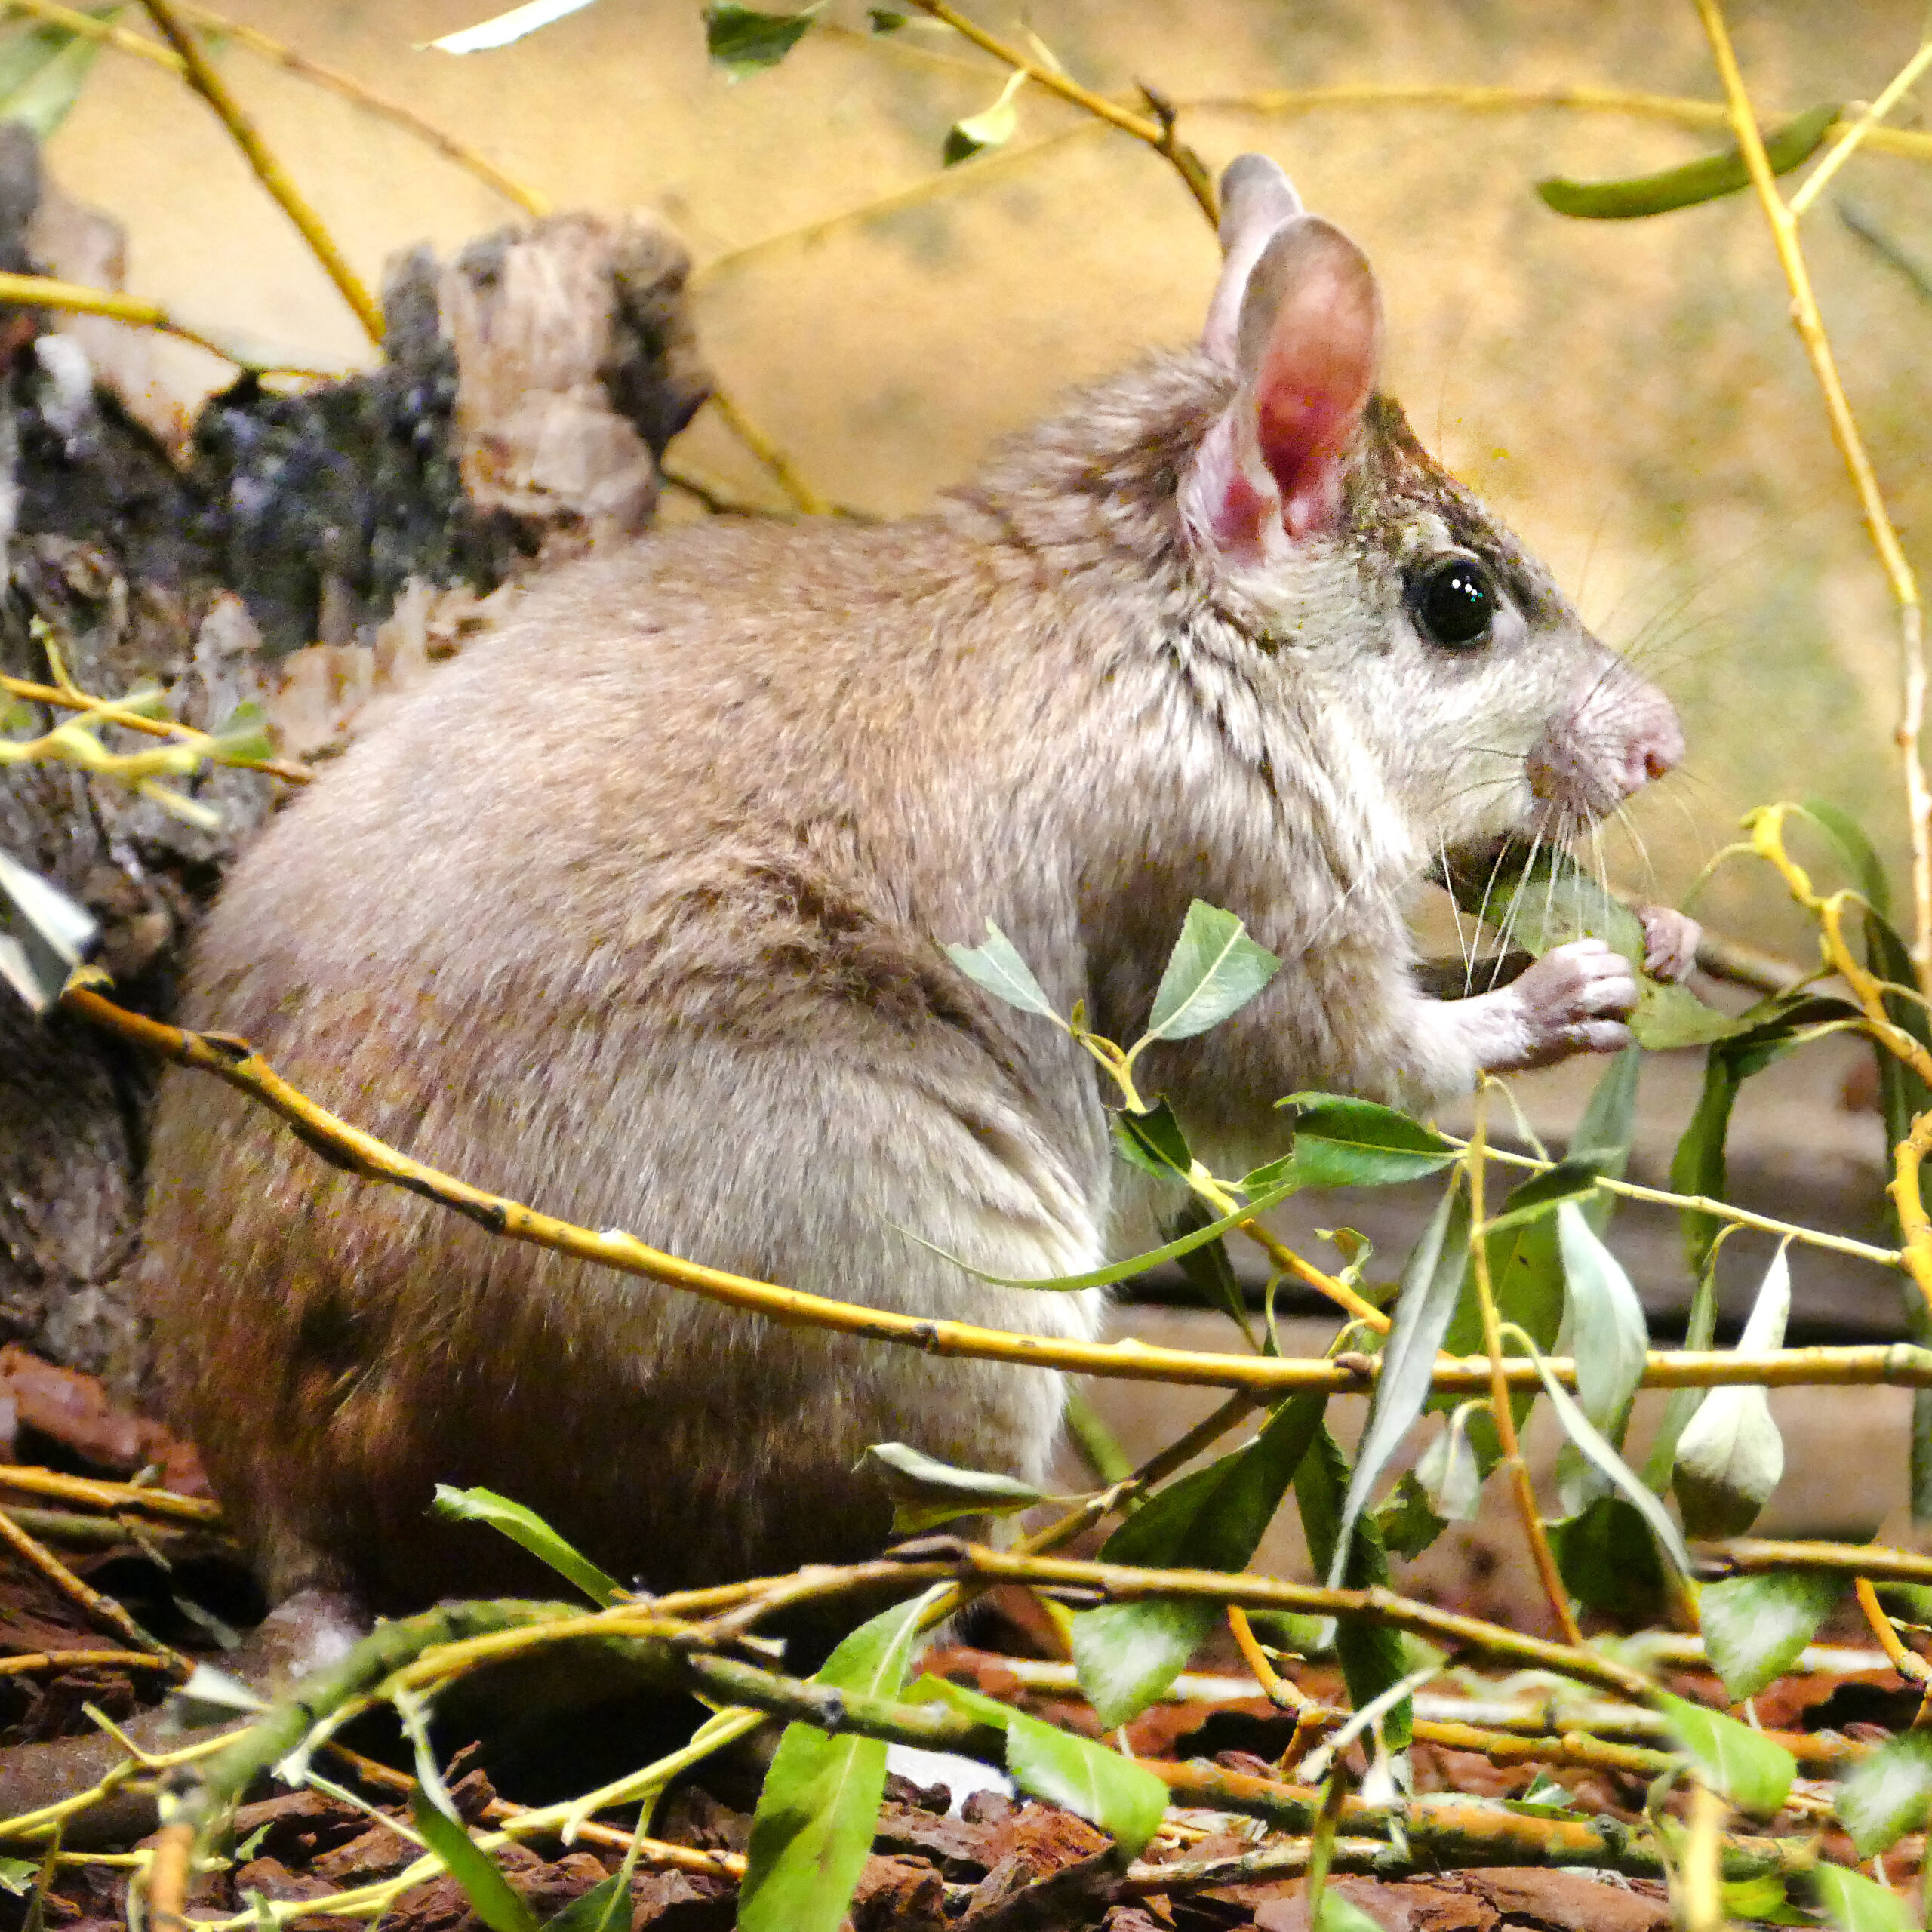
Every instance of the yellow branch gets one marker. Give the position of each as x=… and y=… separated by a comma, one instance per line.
x=235, y=1062
x=1851, y=447
x=268, y=171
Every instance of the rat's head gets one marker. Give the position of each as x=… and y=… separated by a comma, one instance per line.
x=1436, y=644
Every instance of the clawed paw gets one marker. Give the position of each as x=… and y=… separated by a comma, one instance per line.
x=1670, y=943
x=1575, y=999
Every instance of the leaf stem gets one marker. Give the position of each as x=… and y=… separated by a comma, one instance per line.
x=1157, y=130
x=1501, y=1408
x=206, y=82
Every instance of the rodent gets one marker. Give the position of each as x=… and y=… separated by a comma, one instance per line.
x=636, y=912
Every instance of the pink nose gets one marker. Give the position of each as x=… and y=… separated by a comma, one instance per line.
x=1655, y=744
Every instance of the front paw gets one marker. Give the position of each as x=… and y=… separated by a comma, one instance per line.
x=1670, y=943
x=1575, y=999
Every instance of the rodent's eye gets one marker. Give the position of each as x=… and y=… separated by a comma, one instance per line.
x=1456, y=602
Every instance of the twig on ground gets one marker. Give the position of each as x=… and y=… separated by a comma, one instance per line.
x=203, y=1510
x=268, y=171
x=101, y=1611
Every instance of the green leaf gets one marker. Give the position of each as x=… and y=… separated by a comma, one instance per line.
x=1258, y=1203
x=1544, y=900
x=1776, y=1026
x=1341, y=1143
x=1127, y=1654
x=525, y=1526
x=42, y=73
x=1756, y=1627
x=1606, y=1320
x=17, y=1874
x=1372, y=1656
x=812, y=1830
x=1886, y=1793
x=1430, y=1284
x=743, y=40
x=1731, y=1457
x=1339, y=1913
x=1406, y=1520
x=1568, y=1181
x=1855, y=1903
x=1699, y=1331
x=1084, y=1777
x=244, y=734
x=1448, y=1473
x=1744, y=1765
x=1718, y=174
x=1214, y=970
x=1209, y=1272
x=992, y=128
x=488, y=1891
x=1578, y=1428
x=1608, y=1558
x=998, y=969
x=1153, y=1142
x=885, y=20
x=925, y=1491
x=598, y=1910
x=1763, y=1899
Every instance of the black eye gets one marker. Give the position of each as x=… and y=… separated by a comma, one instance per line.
x=1455, y=601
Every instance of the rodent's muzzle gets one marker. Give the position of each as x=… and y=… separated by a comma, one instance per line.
x=1622, y=733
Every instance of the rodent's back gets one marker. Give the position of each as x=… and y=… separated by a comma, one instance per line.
x=647, y=878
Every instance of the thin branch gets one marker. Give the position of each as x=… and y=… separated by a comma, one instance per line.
x=235, y=1062
x=268, y=171
x=38, y=292
x=1156, y=129
x=767, y=453
x=1851, y=447
x=33, y=1660
x=72, y=20
x=119, y=1497
x=1909, y=1664
x=1501, y=1408
x=1860, y=131
x=103, y=1611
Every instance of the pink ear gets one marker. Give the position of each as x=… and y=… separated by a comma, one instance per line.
x=1311, y=336
x=1306, y=351
x=1256, y=197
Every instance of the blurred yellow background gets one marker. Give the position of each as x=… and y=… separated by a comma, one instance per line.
x=1629, y=396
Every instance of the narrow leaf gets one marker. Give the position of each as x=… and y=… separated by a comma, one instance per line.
x=1342, y=1143
x=992, y=128
x=1576, y=1425
x=502, y=28
x=1730, y=1456
x=743, y=40
x=1214, y=969
x=43, y=99
x=1756, y=1627
x=1787, y=147
x=525, y=1526
x=812, y=1830
x=1082, y=1776
x=1568, y=1181
x=43, y=934
x=1547, y=900
x=1855, y=1903
x=1372, y=1656
x=1747, y=1766
x=1609, y=1341
x=1887, y=1793
x=1153, y=1142
x=1448, y=1472
x=997, y=967
x=1430, y=1284
x=1120, y=1271
x=1608, y=1558
x=1405, y=1519
x=1127, y=1654
x=925, y=1491
x=488, y=1891
x=599, y=1909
